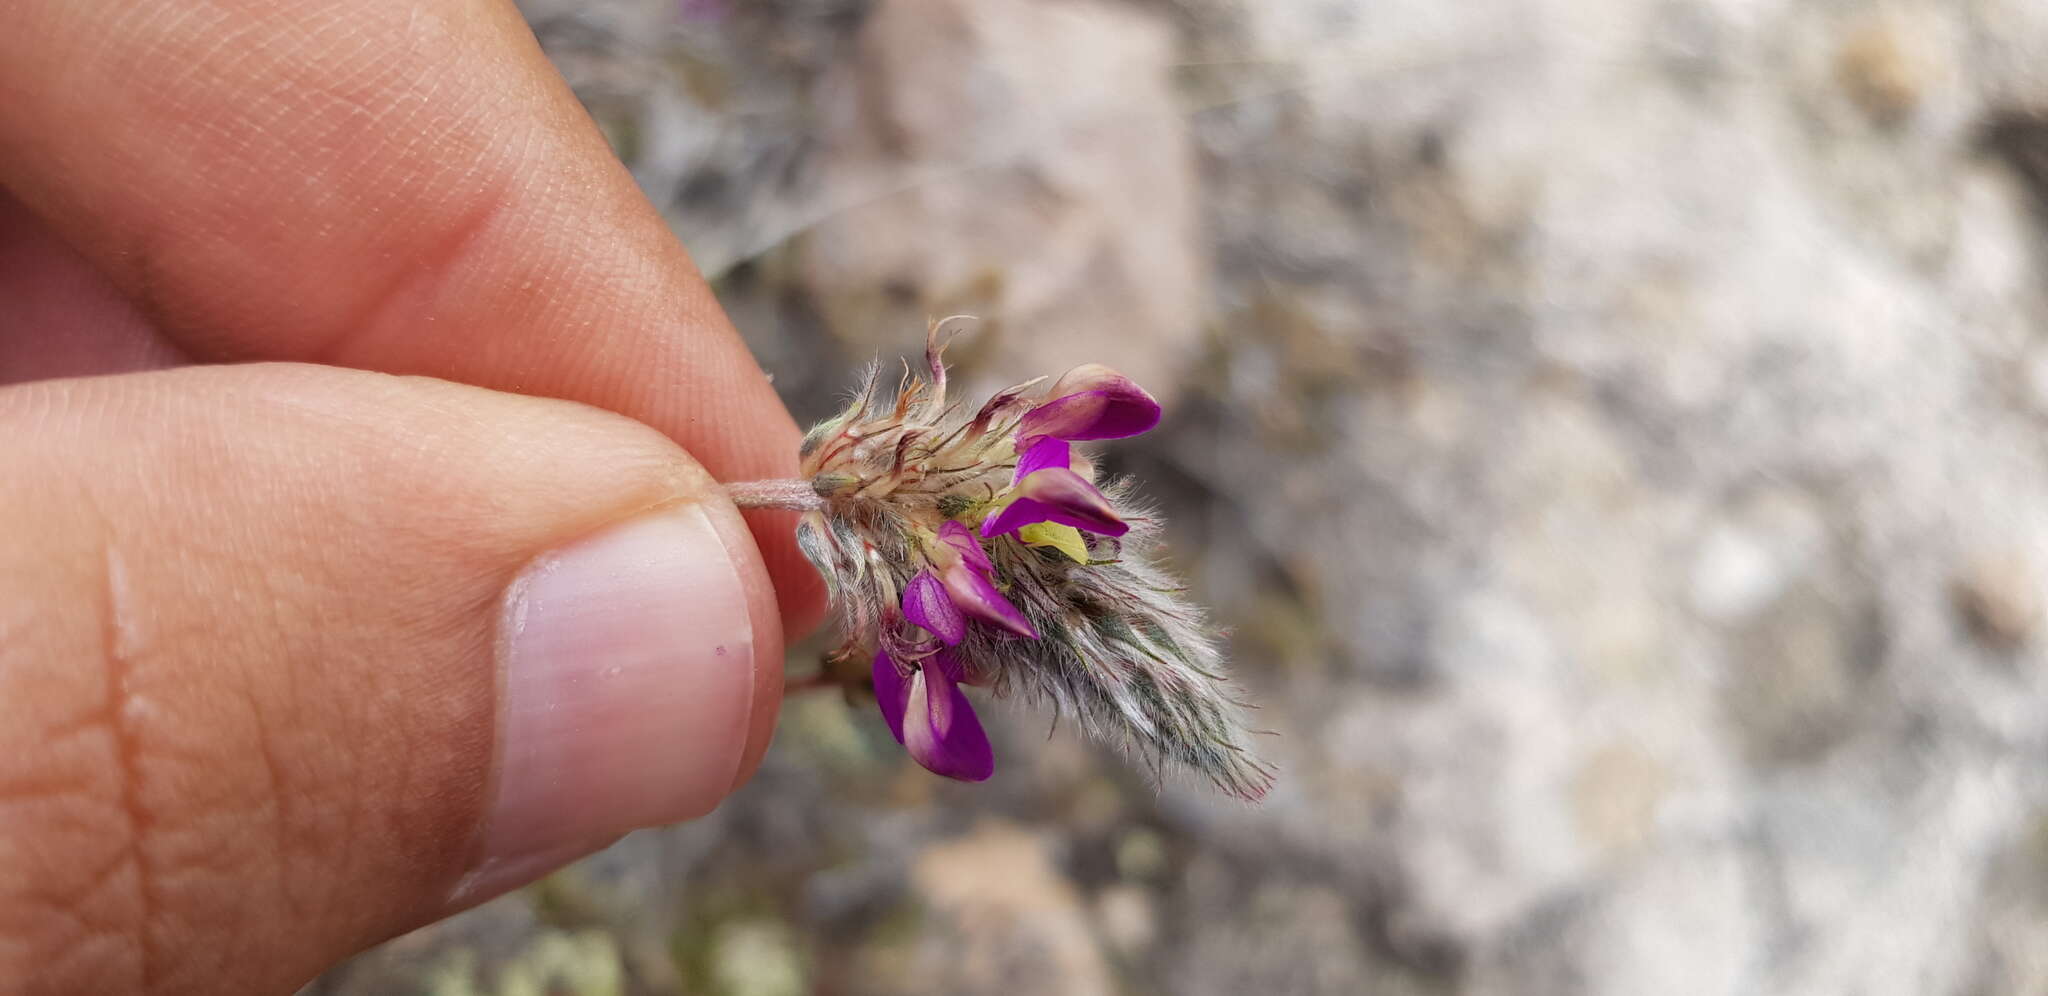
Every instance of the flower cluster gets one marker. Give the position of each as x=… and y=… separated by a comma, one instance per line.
x=976, y=547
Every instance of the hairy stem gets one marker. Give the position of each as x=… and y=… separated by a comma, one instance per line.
x=795, y=495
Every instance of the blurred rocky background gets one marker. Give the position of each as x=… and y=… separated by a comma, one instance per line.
x=1613, y=431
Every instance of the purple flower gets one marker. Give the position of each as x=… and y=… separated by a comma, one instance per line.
x=926, y=603
x=960, y=543
x=926, y=709
x=1056, y=494
x=936, y=524
x=969, y=578
x=1046, y=452
x=1090, y=401
x=932, y=718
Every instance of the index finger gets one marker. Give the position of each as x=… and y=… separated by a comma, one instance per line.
x=395, y=185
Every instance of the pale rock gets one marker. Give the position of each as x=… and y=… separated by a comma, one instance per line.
x=2000, y=600
x=1128, y=918
x=1024, y=161
x=1000, y=918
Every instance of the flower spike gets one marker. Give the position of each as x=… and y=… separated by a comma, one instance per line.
x=969, y=545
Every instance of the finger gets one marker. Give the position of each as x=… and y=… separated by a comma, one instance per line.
x=59, y=316
x=397, y=185
x=294, y=658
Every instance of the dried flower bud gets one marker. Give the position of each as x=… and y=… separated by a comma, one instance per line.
x=973, y=546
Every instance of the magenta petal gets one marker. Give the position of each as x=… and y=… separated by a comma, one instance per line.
x=892, y=692
x=1057, y=495
x=1093, y=377
x=1047, y=452
x=1025, y=511
x=977, y=596
x=926, y=603
x=941, y=730
x=1014, y=516
x=962, y=540
x=1070, y=417
x=1091, y=402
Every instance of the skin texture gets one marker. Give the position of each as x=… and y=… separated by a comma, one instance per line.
x=247, y=613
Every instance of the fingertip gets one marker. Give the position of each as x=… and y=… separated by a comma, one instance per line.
x=640, y=670
x=770, y=615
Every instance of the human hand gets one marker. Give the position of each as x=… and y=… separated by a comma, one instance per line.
x=295, y=656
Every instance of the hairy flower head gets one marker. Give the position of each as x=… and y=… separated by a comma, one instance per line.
x=974, y=546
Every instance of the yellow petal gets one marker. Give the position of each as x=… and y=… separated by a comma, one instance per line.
x=1064, y=538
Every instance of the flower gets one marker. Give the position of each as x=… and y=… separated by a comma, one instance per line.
x=1046, y=452
x=932, y=718
x=969, y=578
x=927, y=603
x=1056, y=494
x=1091, y=401
x=967, y=545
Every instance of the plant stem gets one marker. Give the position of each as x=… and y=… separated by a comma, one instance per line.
x=787, y=494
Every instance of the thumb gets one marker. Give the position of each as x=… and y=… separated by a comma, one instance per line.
x=295, y=658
